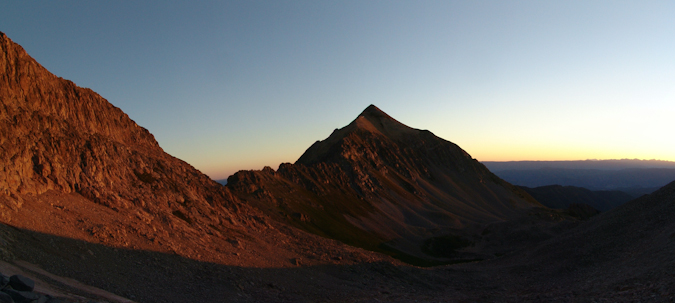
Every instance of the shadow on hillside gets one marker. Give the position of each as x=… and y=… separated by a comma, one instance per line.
x=147, y=276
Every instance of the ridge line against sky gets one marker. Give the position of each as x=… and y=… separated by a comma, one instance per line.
x=230, y=85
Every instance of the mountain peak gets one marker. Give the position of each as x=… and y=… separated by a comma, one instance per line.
x=375, y=115
x=374, y=111
x=375, y=120
x=380, y=179
x=372, y=120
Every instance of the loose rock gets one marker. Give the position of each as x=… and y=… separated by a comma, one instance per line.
x=22, y=296
x=5, y=298
x=21, y=283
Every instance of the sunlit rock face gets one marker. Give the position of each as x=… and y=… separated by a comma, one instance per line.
x=58, y=136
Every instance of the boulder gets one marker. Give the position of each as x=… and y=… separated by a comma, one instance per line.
x=5, y=298
x=22, y=296
x=21, y=283
x=4, y=280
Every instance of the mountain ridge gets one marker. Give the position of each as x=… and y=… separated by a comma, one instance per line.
x=381, y=180
x=560, y=197
x=636, y=181
x=609, y=164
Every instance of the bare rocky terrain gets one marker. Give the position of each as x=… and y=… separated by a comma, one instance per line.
x=92, y=209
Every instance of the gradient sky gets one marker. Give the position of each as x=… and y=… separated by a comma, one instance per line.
x=230, y=85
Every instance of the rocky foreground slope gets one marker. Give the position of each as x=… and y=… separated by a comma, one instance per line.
x=623, y=255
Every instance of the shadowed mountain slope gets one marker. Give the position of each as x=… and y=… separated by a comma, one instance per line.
x=626, y=253
x=560, y=197
x=380, y=184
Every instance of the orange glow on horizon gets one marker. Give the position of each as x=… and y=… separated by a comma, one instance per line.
x=504, y=153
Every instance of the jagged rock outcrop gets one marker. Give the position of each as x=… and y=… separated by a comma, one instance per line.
x=58, y=136
x=380, y=184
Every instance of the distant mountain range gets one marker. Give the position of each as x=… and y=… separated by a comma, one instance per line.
x=635, y=177
x=497, y=166
x=561, y=197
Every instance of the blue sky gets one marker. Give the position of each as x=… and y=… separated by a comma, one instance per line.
x=230, y=85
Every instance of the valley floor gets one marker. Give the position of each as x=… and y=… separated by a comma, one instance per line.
x=146, y=276
x=624, y=255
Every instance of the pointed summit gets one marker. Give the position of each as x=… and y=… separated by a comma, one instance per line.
x=374, y=111
x=379, y=121
x=371, y=122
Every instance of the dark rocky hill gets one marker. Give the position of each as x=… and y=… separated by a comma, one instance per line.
x=561, y=197
x=382, y=185
x=623, y=255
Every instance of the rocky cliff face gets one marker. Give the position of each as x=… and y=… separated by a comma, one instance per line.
x=58, y=136
x=380, y=184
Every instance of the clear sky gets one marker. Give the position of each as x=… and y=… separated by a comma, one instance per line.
x=230, y=85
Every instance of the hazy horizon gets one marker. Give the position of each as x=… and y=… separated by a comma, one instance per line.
x=236, y=85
